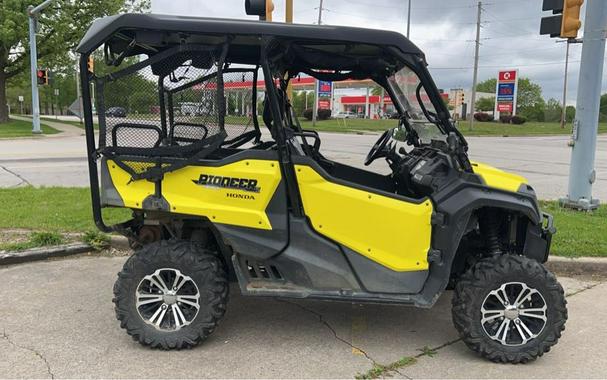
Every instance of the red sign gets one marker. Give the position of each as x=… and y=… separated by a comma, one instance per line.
x=504, y=107
x=507, y=76
x=326, y=104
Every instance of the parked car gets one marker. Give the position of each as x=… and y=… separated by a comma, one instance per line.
x=345, y=115
x=116, y=112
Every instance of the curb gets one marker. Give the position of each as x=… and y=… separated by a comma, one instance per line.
x=578, y=266
x=43, y=253
x=562, y=265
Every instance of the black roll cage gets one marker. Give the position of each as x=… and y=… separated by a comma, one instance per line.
x=416, y=63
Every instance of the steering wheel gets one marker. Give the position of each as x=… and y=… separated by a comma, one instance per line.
x=379, y=147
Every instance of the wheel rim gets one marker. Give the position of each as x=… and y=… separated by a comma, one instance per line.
x=513, y=314
x=167, y=299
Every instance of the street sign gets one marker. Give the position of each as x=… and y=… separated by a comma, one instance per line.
x=507, y=76
x=505, y=92
x=20, y=98
x=324, y=104
x=504, y=107
x=75, y=108
x=324, y=88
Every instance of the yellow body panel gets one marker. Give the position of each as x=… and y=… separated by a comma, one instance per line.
x=497, y=178
x=392, y=232
x=232, y=206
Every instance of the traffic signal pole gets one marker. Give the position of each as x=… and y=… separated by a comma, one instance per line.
x=581, y=172
x=33, y=13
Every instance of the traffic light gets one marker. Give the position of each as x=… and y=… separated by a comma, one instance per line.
x=42, y=76
x=566, y=23
x=261, y=8
x=571, y=18
x=90, y=64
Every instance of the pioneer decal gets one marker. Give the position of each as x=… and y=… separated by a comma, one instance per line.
x=245, y=184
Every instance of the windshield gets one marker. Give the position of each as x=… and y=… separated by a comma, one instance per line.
x=406, y=85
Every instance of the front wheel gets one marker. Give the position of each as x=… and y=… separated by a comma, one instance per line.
x=171, y=294
x=509, y=309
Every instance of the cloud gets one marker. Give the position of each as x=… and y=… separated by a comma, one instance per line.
x=444, y=30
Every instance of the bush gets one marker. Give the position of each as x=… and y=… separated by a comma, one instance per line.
x=324, y=114
x=518, y=120
x=483, y=117
x=506, y=119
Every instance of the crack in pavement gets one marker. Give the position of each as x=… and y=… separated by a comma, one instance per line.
x=48, y=366
x=588, y=287
x=23, y=180
x=327, y=325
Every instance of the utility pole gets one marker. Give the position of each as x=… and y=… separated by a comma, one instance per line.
x=564, y=110
x=320, y=13
x=475, y=75
x=409, y=20
x=315, y=106
x=581, y=172
x=33, y=13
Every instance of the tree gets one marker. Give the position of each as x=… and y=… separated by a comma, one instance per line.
x=553, y=110
x=487, y=86
x=569, y=114
x=485, y=104
x=529, y=101
x=60, y=28
x=603, y=109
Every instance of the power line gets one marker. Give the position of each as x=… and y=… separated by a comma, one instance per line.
x=501, y=66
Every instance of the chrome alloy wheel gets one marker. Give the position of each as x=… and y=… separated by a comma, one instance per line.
x=513, y=314
x=167, y=299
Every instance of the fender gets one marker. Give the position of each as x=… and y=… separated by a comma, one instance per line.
x=455, y=204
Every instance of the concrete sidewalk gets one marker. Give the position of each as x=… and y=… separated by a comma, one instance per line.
x=57, y=321
x=65, y=129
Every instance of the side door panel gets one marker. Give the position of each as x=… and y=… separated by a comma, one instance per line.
x=391, y=231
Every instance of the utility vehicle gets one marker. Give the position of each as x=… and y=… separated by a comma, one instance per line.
x=242, y=193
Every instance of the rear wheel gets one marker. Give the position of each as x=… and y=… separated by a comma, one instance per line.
x=509, y=309
x=171, y=294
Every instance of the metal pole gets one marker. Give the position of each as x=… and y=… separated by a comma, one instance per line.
x=289, y=20
x=581, y=172
x=409, y=20
x=367, y=104
x=320, y=13
x=79, y=95
x=315, y=105
x=32, y=13
x=34, y=69
x=476, y=50
x=564, y=110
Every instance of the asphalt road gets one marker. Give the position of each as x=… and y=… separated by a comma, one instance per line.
x=60, y=161
x=57, y=321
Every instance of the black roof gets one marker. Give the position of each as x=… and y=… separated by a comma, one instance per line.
x=103, y=29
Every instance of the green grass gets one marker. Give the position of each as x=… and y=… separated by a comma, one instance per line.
x=52, y=209
x=480, y=129
x=36, y=239
x=20, y=128
x=578, y=233
x=69, y=209
x=96, y=239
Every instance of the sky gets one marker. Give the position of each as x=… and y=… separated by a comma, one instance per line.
x=444, y=30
